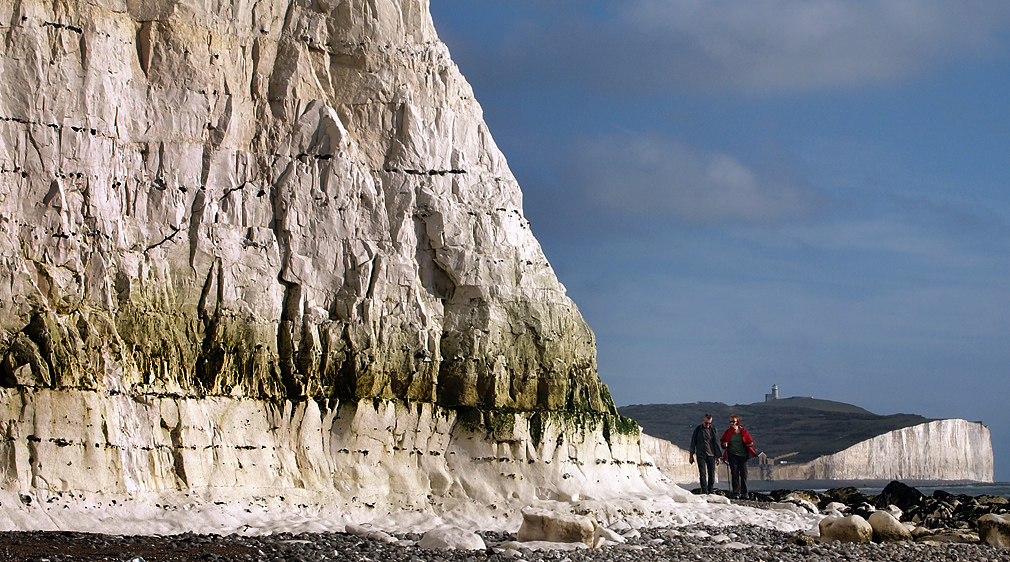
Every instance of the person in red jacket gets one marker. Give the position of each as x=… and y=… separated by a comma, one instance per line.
x=738, y=448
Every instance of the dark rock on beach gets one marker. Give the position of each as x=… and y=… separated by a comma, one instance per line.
x=849, y=496
x=941, y=511
x=901, y=495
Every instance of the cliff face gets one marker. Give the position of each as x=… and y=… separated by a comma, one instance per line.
x=952, y=449
x=357, y=460
x=252, y=246
x=272, y=199
x=671, y=459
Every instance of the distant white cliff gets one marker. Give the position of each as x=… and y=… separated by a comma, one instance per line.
x=952, y=449
x=670, y=459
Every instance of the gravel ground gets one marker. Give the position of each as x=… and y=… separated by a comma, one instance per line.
x=692, y=543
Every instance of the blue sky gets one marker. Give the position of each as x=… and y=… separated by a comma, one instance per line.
x=740, y=193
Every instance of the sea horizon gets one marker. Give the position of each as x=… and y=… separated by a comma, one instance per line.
x=874, y=487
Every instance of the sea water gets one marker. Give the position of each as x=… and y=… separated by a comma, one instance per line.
x=874, y=487
x=976, y=489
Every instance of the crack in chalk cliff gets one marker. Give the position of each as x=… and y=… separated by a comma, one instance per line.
x=195, y=219
x=211, y=359
x=178, y=460
x=38, y=333
x=432, y=172
x=35, y=145
x=433, y=275
x=34, y=463
x=287, y=346
x=54, y=126
x=55, y=25
x=145, y=43
x=231, y=190
x=373, y=279
x=8, y=454
x=292, y=294
x=163, y=240
x=215, y=138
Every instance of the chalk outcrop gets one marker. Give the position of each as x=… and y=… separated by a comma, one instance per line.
x=273, y=246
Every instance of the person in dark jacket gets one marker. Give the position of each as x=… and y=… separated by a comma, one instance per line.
x=738, y=448
x=705, y=446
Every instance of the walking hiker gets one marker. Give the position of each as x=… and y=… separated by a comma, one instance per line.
x=705, y=446
x=738, y=449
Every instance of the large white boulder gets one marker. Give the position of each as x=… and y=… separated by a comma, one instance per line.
x=608, y=535
x=369, y=533
x=550, y=526
x=852, y=528
x=886, y=528
x=454, y=538
x=837, y=507
x=797, y=504
x=994, y=529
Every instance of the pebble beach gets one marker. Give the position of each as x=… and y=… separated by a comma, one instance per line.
x=691, y=543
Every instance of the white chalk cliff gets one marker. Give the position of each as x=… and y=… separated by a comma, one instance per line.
x=266, y=247
x=671, y=459
x=950, y=449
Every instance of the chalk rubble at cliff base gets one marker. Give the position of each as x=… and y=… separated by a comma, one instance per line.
x=293, y=512
x=114, y=464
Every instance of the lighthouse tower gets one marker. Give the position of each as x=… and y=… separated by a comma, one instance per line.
x=774, y=395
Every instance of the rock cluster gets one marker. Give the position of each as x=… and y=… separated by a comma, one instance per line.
x=942, y=510
x=900, y=512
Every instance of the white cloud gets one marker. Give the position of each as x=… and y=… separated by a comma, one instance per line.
x=757, y=46
x=655, y=177
x=803, y=44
